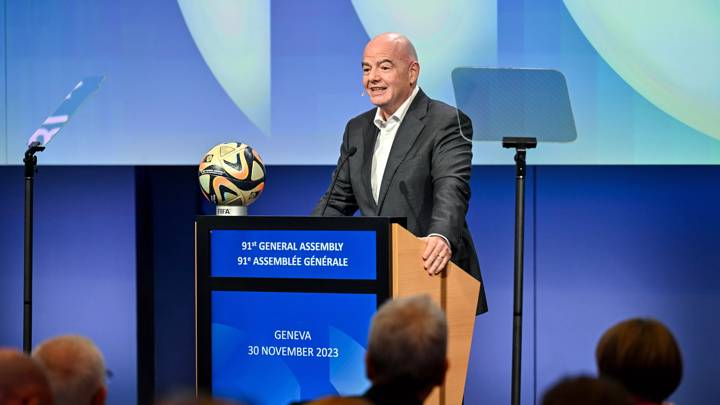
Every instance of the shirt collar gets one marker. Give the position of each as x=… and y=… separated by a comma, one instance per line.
x=399, y=114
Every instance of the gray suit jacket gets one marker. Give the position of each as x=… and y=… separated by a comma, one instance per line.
x=426, y=179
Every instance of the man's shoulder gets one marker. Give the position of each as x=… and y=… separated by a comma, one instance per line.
x=439, y=108
x=362, y=120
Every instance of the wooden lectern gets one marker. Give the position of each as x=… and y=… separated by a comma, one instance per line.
x=456, y=292
x=388, y=264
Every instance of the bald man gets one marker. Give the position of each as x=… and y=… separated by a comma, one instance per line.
x=408, y=157
x=22, y=381
x=75, y=368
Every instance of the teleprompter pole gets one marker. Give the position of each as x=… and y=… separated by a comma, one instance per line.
x=30, y=161
x=521, y=145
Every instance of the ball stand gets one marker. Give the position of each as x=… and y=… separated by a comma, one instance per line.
x=231, y=210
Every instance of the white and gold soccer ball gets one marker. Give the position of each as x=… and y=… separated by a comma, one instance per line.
x=231, y=174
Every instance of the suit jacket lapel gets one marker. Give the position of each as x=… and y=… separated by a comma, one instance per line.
x=369, y=138
x=405, y=138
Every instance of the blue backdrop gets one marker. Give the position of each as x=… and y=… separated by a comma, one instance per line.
x=603, y=244
x=84, y=278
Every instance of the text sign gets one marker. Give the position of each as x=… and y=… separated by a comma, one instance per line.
x=272, y=348
x=293, y=254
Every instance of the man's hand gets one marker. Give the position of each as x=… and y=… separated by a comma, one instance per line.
x=436, y=255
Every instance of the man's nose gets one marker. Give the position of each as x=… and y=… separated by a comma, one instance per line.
x=373, y=75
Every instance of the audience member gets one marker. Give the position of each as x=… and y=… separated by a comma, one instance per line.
x=586, y=391
x=75, y=369
x=643, y=356
x=22, y=381
x=407, y=351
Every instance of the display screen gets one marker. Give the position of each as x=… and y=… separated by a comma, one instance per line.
x=285, y=76
x=293, y=254
x=272, y=348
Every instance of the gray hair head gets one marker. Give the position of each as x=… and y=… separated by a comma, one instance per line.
x=408, y=344
x=74, y=366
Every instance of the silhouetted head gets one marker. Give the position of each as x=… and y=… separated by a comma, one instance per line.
x=22, y=381
x=75, y=368
x=643, y=356
x=585, y=390
x=407, y=346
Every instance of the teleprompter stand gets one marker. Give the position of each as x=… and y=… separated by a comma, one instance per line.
x=41, y=137
x=30, y=161
x=519, y=107
x=521, y=145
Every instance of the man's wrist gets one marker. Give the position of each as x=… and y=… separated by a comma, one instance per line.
x=447, y=242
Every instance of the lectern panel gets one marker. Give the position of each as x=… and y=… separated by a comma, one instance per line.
x=273, y=348
x=332, y=254
x=283, y=304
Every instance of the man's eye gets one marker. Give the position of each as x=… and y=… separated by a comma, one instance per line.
x=385, y=67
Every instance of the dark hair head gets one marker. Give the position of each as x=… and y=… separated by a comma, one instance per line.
x=642, y=355
x=587, y=391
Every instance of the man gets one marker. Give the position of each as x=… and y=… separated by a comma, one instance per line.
x=407, y=351
x=22, y=380
x=75, y=368
x=409, y=157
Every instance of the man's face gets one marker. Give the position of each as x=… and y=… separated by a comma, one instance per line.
x=388, y=74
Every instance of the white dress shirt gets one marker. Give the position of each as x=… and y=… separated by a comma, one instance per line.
x=383, y=144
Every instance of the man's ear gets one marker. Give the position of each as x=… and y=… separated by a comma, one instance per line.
x=100, y=396
x=414, y=72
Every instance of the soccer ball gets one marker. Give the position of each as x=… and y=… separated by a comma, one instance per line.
x=231, y=174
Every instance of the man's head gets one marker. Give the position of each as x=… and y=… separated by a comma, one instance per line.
x=75, y=368
x=587, y=391
x=643, y=356
x=390, y=71
x=407, y=346
x=22, y=381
